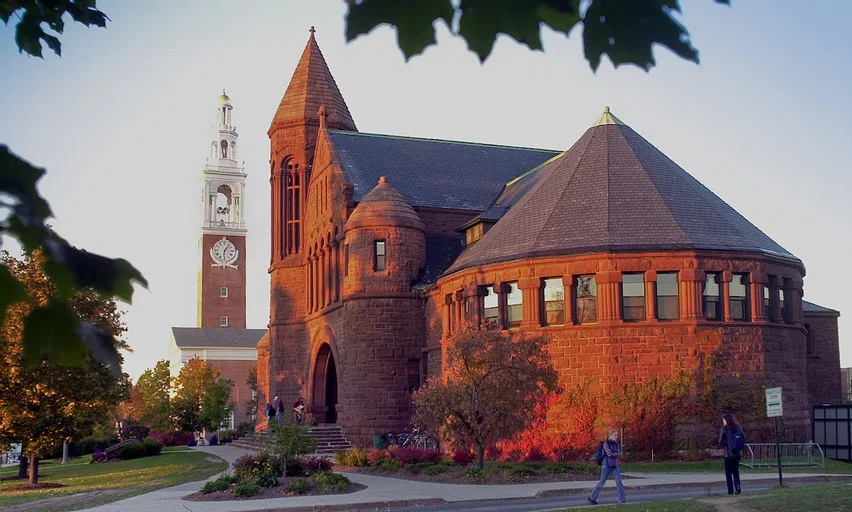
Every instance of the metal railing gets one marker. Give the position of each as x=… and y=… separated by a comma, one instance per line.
x=764, y=455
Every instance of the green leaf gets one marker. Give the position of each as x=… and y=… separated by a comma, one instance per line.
x=482, y=20
x=625, y=30
x=28, y=34
x=413, y=20
x=53, y=43
x=52, y=331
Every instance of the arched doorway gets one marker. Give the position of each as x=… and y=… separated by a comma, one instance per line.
x=324, y=399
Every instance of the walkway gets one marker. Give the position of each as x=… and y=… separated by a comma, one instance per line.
x=388, y=490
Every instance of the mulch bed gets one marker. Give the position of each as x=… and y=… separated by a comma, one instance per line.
x=273, y=492
x=31, y=487
x=492, y=475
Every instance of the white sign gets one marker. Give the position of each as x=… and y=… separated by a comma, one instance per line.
x=773, y=403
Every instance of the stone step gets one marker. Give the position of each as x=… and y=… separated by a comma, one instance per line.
x=329, y=438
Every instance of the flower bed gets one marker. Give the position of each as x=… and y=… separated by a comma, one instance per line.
x=412, y=464
x=323, y=482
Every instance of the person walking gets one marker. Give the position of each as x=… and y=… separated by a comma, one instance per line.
x=279, y=406
x=609, y=466
x=732, y=439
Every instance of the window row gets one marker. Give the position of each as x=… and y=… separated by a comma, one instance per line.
x=664, y=304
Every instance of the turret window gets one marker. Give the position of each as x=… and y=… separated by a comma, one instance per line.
x=380, y=256
x=586, y=300
x=633, y=297
x=712, y=296
x=785, y=308
x=668, y=304
x=554, y=301
x=738, y=297
x=514, y=305
x=768, y=310
x=292, y=206
x=489, y=306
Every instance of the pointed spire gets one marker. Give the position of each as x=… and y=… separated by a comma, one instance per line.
x=607, y=118
x=310, y=87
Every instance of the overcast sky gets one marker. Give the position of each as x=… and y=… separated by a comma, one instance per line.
x=123, y=123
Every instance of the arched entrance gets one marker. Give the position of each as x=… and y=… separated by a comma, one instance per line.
x=324, y=399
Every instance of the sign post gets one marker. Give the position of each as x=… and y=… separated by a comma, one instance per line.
x=775, y=409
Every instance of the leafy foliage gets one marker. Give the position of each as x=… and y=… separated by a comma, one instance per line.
x=624, y=30
x=33, y=14
x=46, y=403
x=289, y=440
x=246, y=489
x=202, y=398
x=327, y=481
x=153, y=390
x=223, y=483
x=298, y=486
x=490, y=382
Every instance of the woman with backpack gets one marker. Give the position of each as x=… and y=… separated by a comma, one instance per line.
x=732, y=440
x=608, y=454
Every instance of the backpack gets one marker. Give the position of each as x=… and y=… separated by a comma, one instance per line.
x=736, y=441
x=600, y=453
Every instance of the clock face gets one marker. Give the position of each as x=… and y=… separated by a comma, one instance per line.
x=224, y=253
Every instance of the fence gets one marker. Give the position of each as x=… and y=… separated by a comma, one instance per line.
x=833, y=430
x=764, y=455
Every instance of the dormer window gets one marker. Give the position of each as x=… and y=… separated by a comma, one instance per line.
x=473, y=234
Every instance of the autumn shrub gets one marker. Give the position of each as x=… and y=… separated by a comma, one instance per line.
x=433, y=456
x=462, y=457
x=354, y=457
x=311, y=465
x=376, y=456
x=171, y=438
x=408, y=455
x=252, y=466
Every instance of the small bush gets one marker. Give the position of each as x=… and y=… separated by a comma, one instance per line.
x=131, y=451
x=389, y=465
x=434, y=469
x=223, y=483
x=311, y=465
x=245, y=488
x=433, y=456
x=524, y=471
x=418, y=467
x=171, y=438
x=462, y=457
x=266, y=479
x=298, y=486
x=408, y=455
x=326, y=481
x=151, y=447
x=376, y=456
x=98, y=456
x=354, y=457
x=472, y=472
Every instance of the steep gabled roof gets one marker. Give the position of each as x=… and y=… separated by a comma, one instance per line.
x=310, y=87
x=614, y=191
x=433, y=173
x=215, y=337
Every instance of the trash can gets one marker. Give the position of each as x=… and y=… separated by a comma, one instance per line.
x=379, y=441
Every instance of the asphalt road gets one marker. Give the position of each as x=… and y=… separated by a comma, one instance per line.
x=607, y=497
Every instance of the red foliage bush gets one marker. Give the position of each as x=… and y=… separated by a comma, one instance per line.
x=376, y=456
x=462, y=457
x=534, y=455
x=311, y=465
x=433, y=456
x=408, y=455
x=171, y=438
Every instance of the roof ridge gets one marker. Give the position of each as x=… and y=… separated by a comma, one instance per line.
x=534, y=169
x=428, y=139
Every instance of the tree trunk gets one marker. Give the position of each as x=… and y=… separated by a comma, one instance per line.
x=65, y=452
x=480, y=455
x=33, y=468
x=23, y=466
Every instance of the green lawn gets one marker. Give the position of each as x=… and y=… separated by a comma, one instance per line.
x=831, y=466
x=659, y=506
x=121, y=479
x=814, y=498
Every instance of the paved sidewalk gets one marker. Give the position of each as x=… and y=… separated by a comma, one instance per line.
x=385, y=490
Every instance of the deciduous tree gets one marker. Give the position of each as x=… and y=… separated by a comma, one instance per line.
x=198, y=402
x=153, y=388
x=488, y=389
x=45, y=403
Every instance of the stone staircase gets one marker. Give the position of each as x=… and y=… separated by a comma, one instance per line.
x=329, y=438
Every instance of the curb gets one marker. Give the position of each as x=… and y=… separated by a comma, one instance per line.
x=374, y=505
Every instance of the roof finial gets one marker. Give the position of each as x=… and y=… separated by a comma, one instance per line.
x=606, y=109
x=312, y=30
x=607, y=118
x=382, y=180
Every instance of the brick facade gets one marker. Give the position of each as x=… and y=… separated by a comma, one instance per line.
x=211, y=304
x=823, y=358
x=236, y=372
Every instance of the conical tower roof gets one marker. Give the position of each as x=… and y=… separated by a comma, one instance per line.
x=614, y=191
x=384, y=206
x=311, y=87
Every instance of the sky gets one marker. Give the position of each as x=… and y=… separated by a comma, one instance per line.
x=123, y=123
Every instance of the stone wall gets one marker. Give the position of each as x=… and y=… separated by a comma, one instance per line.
x=823, y=361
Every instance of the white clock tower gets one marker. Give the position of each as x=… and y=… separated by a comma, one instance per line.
x=222, y=283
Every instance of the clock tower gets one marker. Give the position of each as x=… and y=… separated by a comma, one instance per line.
x=222, y=279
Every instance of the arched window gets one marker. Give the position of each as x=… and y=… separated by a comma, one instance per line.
x=292, y=206
x=224, y=145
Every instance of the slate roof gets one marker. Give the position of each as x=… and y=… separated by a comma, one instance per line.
x=215, y=337
x=433, y=173
x=614, y=191
x=810, y=307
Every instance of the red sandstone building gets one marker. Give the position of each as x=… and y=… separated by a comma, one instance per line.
x=382, y=245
